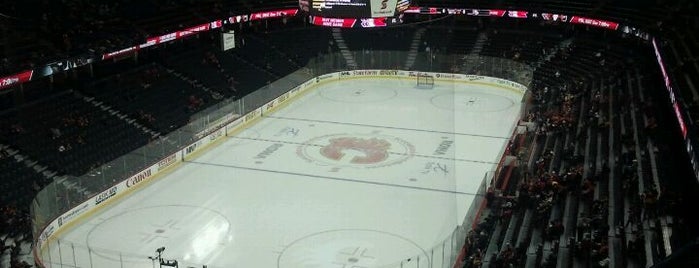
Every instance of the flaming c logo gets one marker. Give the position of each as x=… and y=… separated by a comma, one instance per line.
x=371, y=151
x=356, y=150
x=383, y=4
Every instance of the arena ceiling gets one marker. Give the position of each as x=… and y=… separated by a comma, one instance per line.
x=643, y=13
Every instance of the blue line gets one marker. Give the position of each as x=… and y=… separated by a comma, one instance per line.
x=398, y=128
x=393, y=153
x=334, y=178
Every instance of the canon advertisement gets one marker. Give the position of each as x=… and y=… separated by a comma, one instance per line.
x=354, y=8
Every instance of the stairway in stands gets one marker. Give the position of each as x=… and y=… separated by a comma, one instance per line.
x=69, y=182
x=474, y=54
x=344, y=50
x=277, y=51
x=47, y=174
x=26, y=161
x=195, y=83
x=414, y=47
x=480, y=42
x=120, y=115
x=548, y=56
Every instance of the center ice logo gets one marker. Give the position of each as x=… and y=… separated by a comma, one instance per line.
x=356, y=150
x=369, y=151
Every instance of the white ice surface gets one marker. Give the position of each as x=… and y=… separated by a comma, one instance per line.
x=268, y=197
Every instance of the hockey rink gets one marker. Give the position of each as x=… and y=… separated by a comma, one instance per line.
x=352, y=174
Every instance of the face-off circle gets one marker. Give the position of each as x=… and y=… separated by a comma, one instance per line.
x=356, y=150
x=472, y=102
x=352, y=248
x=246, y=136
x=359, y=94
x=139, y=228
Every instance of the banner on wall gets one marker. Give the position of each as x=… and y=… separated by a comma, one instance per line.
x=355, y=23
x=227, y=40
x=595, y=22
x=274, y=14
x=12, y=80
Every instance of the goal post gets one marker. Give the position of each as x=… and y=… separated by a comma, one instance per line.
x=425, y=81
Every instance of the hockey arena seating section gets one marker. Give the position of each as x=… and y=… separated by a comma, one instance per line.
x=599, y=182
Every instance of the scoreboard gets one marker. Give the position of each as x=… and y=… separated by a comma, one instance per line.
x=354, y=8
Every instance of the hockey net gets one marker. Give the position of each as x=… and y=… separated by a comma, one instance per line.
x=425, y=81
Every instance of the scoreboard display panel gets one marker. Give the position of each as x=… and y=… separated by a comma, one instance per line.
x=354, y=8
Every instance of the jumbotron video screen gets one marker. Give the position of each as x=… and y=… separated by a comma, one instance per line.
x=354, y=8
